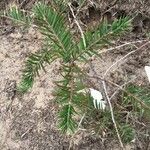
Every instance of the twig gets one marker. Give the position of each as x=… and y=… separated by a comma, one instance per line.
x=81, y=120
x=111, y=109
x=78, y=25
x=26, y=132
x=124, y=58
x=112, y=115
x=120, y=88
x=120, y=46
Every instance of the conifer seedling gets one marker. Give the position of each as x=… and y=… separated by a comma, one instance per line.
x=59, y=43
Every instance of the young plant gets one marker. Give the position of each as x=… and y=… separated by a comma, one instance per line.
x=60, y=44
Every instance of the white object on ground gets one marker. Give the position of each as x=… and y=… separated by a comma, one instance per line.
x=98, y=101
x=147, y=69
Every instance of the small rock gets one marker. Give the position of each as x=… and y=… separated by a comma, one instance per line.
x=16, y=35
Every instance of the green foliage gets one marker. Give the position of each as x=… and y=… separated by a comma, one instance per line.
x=143, y=94
x=67, y=123
x=34, y=64
x=18, y=16
x=127, y=133
x=133, y=110
x=52, y=25
x=61, y=45
x=102, y=124
x=100, y=37
x=140, y=92
x=72, y=101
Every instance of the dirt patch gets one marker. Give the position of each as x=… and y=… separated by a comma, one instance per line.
x=21, y=114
